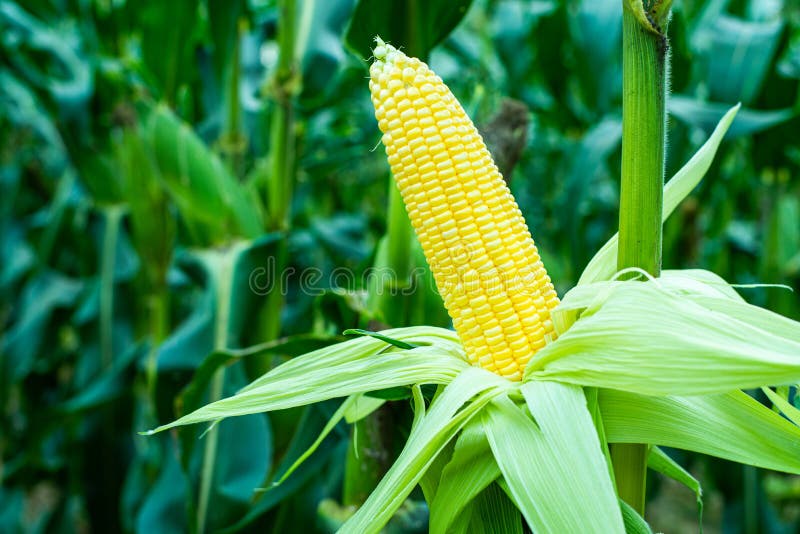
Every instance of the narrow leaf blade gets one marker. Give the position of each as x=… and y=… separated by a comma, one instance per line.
x=301, y=387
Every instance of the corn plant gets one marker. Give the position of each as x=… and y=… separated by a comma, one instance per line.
x=152, y=154
x=530, y=391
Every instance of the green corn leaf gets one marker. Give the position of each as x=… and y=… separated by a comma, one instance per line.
x=658, y=461
x=706, y=115
x=554, y=468
x=415, y=26
x=209, y=198
x=377, y=335
x=654, y=339
x=308, y=427
x=732, y=425
x=739, y=56
x=471, y=469
x=637, y=8
x=604, y=264
x=445, y=418
x=652, y=16
x=703, y=287
x=299, y=386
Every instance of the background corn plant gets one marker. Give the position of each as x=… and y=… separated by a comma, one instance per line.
x=145, y=146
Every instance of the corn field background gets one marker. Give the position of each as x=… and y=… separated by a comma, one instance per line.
x=192, y=192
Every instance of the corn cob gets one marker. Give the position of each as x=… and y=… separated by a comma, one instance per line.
x=482, y=256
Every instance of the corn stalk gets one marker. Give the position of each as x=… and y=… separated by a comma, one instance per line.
x=277, y=175
x=644, y=64
x=221, y=269
x=282, y=142
x=113, y=219
x=233, y=143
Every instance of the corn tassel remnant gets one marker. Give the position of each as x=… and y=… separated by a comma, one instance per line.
x=475, y=239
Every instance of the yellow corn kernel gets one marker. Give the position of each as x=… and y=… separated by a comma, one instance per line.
x=482, y=256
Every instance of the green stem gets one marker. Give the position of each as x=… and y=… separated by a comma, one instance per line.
x=641, y=195
x=221, y=271
x=279, y=181
x=55, y=217
x=113, y=218
x=750, y=491
x=367, y=458
x=157, y=306
x=270, y=317
x=282, y=142
x=110, y=474
x=643, y=140
x=233, y=143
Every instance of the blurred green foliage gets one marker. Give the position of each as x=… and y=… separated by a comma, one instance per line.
x=135, y=142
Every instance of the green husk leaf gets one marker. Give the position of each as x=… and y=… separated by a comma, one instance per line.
x=658, y=461
x=698, y=283
x=653, y=19
x=670, y=339
x=494, y=513
x=419, y=406
x=731, y=425
x=362, y=406
x=462, y=523
x=554, y=468
x=329, y=426
x=634, y=523
x=473, y=387
x=441, y=339
x=391, y=394
x=637, y=8
x=471, y=469
x=429, y=483
x=604, y=264
x=792, y=413
x=299, y=386
x=759, y=318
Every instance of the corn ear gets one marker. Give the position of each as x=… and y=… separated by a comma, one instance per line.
x=484, y=261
